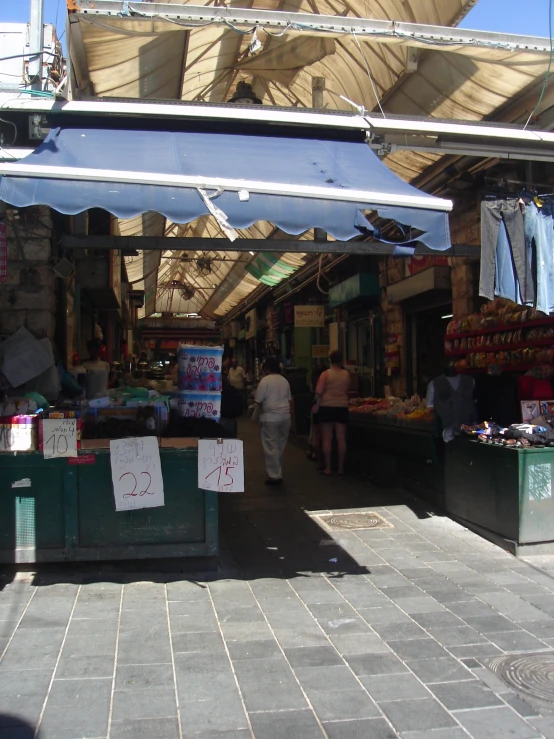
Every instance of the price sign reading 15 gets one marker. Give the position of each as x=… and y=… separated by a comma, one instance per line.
x=221, y=465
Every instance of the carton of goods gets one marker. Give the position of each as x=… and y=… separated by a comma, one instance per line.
x=18, y=433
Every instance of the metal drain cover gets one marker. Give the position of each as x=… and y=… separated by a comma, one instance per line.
x=359, y=520
x=531, y=675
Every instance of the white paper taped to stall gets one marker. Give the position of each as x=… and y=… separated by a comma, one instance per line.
x=136, y=473
x=59, y=437
x=221, y=465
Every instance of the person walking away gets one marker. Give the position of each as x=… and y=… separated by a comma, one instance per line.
x=332, y=409
x=274, y=397
x=237, y=379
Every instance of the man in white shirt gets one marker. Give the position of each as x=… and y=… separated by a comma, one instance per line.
x=274, y=397
x=237, y=375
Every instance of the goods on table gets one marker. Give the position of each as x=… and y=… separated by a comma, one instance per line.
x=393, y=410
x=502, y=335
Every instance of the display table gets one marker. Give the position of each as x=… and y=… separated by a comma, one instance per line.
x=504, y=494
x=394, y=455
x=53, y=511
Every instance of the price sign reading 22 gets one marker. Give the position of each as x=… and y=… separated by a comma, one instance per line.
x=133, y=479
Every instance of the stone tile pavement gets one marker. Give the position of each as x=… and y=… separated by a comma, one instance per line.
x=302, y=632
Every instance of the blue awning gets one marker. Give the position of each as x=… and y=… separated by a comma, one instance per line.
x=296, y=183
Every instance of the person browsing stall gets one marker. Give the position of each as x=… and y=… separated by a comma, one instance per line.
x=332, y=409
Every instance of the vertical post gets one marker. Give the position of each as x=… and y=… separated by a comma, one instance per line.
x=36, y=43
x=318, y=88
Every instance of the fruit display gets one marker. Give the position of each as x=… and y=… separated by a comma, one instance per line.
x=392, y=411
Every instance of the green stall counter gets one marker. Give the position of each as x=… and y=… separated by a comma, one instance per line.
x=505, y=494
x=51, y=511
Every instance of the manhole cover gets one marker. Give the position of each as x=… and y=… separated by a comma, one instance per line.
x=531, y=675
x=360, y=520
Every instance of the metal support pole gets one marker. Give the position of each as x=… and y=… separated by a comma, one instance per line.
x=318, y=88
x=36, y=43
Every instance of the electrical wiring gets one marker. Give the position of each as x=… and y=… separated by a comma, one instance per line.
x=29, y=53
x=369, y=75
x=319, y=274
x=547, y=76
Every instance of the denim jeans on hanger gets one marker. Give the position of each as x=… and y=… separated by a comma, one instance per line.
x=508, y=212
x=506, y=284
x=539, y=229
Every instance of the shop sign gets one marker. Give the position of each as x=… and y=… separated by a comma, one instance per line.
x=309, y=316
x=82, y=459
x=320, y=351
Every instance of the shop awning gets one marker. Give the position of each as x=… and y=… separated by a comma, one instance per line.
x=295, y=182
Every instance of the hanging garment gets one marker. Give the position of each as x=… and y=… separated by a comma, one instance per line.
x=539, y=234
x=506, y=284
x=493, y=214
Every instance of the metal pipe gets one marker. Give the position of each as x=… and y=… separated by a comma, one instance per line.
x=36, y=41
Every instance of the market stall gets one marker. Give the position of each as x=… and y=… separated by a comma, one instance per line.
x=395, y=442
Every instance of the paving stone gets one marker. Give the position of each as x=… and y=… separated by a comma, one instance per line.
x=456, y=636
x=475, y=650
x=422, y=714
x=368, y=643
x=337, y=678
x=451, y=733
x=495, y=723
x=209, y=641
x=517, y=641
x=284, y=725
x=375, y=664
x=144, y=677
x=152, y=702
x=471, y=609
x=375, y=728
x=77, y=708
x=544, y=726
x=418, y=649
x=423, y=604
x=400, y=631
x=161, y=728
x=400, y=686
x=333, y=705
x=439, y=670
x=33, y=649
x=491, y=624
x=300, y=637
x=540, y=629
x=264, y=649
x=521, y=706
x=22, y=694
x=225, y=714
x=150, y=645
x=384, y=615
x=313, y=657
x=88, y=627
x=282, y=696
x=466, y=694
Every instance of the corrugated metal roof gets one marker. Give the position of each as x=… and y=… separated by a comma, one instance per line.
x=155, y=59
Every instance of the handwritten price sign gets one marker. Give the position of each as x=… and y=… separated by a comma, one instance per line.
x=221, y=465
x=136, y=473
x=59, y=437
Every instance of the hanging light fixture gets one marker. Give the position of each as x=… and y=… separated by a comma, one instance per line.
x=245, y=95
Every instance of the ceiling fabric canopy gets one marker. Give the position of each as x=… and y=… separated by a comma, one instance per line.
x=294, y=182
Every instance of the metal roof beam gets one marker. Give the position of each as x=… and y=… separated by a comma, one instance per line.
x=278, y=246
x=383, y=31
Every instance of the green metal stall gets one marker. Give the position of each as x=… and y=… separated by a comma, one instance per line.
x=505, y=494
x=53, y=511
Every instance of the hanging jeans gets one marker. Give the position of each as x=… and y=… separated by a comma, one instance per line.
x=506, y=284
x=274, y=435
x=539, y=232
x=493, y=214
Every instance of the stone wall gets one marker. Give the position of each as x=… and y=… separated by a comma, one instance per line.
x=21, y=304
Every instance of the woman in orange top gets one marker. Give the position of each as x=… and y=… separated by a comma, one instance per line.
x=332, y=402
